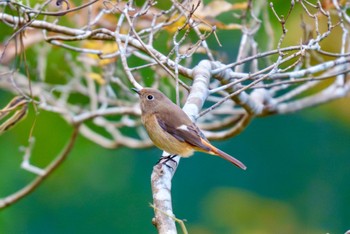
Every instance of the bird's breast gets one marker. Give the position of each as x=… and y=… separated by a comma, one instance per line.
x=163, y=139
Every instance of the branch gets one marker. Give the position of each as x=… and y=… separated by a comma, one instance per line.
x=329, y=94
x=162, y=174
x=11, y=199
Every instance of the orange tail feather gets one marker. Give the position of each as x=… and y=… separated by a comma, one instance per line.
x=216, y=151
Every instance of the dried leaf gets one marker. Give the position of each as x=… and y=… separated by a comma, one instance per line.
x=20, y=104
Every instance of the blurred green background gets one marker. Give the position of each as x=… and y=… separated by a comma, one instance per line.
x=297, y=179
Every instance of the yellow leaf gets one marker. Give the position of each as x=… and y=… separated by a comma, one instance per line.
x=104, y=47
x=96, y=77
x=176, y=25
x=210, y=22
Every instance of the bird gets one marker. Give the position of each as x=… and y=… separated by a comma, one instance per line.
x=171, y=130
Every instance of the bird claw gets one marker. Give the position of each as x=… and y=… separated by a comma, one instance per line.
x=166, y=159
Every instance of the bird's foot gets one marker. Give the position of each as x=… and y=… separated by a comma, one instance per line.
x=164, y=160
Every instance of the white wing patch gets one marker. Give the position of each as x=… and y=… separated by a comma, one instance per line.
x=183, y=127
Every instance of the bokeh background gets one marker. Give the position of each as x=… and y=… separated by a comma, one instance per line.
x=297, y=179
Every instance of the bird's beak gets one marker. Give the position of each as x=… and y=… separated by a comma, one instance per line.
x=136, y=90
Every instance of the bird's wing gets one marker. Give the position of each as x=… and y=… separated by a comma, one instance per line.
x=184, y=132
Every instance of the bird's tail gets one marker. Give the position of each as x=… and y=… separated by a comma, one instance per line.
x=215, y=151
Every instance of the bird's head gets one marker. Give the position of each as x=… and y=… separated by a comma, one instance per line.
x=152, y=100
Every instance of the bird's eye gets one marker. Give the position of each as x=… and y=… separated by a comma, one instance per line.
x=150, y=97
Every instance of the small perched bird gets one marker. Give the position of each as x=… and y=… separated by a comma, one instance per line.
x=172, y=130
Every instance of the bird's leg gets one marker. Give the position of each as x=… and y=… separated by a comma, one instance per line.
x=166, y=159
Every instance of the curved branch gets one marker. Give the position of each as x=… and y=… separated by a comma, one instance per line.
x=11, y=199
x=232, y=131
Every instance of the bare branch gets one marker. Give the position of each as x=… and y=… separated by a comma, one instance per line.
x=9, y=200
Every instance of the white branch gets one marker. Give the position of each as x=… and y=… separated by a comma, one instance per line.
x=162, y=174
